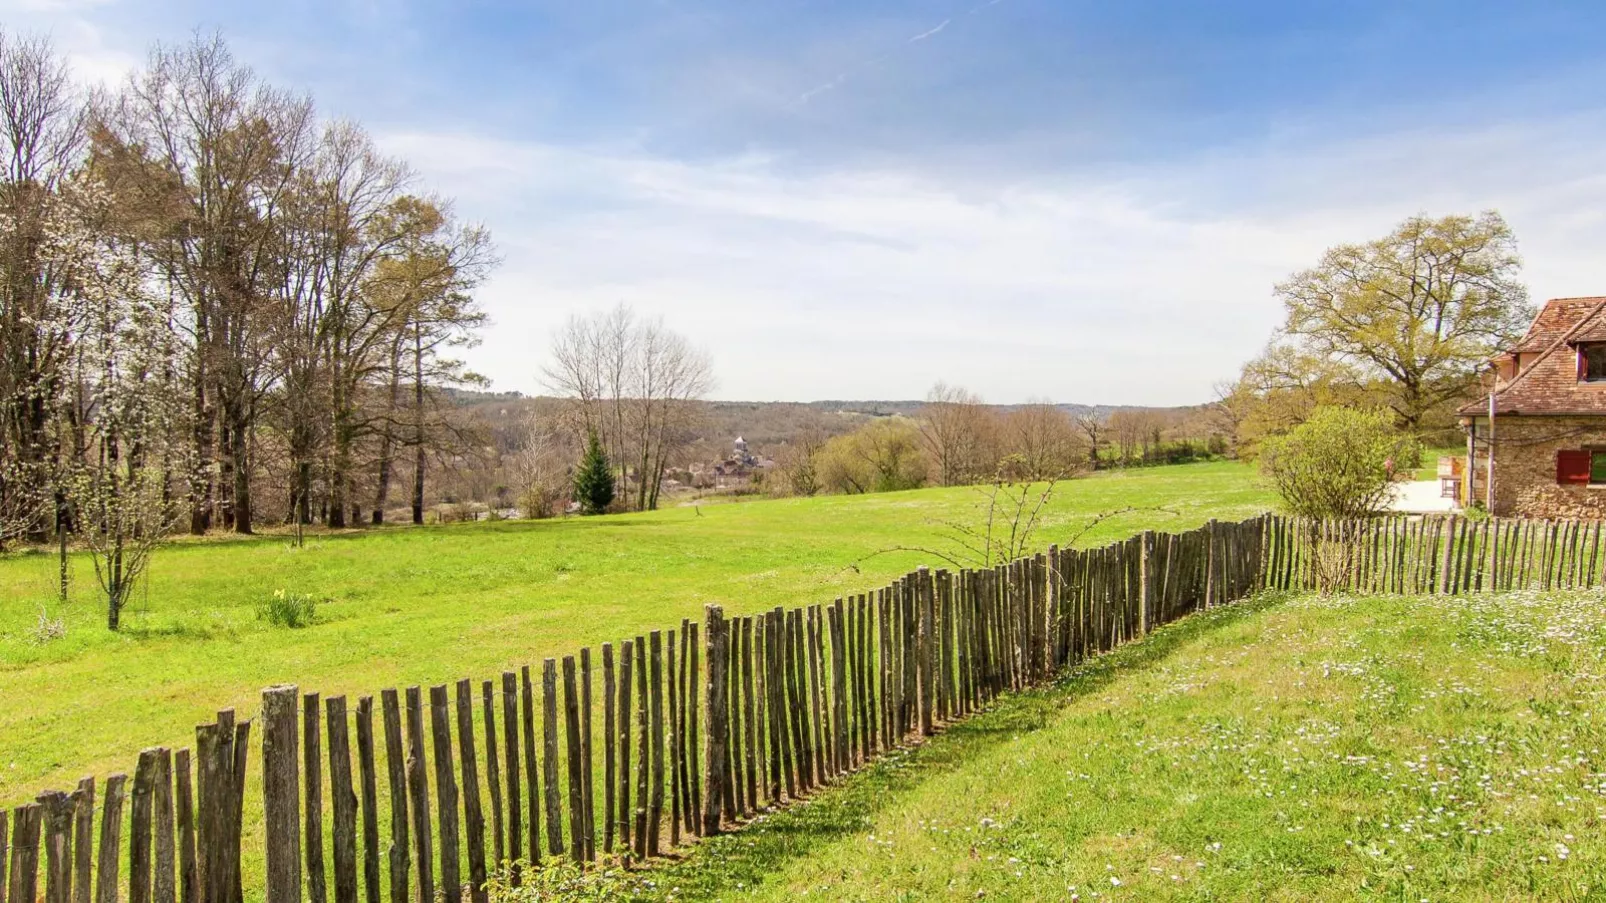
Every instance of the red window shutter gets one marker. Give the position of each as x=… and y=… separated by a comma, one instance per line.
x=1572, y=467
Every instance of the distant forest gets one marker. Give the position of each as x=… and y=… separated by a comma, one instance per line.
x=522, y=441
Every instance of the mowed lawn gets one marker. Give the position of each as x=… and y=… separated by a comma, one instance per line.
x=1278, y=750
x=430, y=605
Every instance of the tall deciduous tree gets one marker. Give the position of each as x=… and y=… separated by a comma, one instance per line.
x=217, y=154
x=958, y=432
x=885, y=455
x=1420, y=309
x=424, y=284
x=342, y=222
x=41, y=139
x=1041, y=442
x=204, y=288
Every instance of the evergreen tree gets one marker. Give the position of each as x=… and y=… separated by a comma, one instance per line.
x=593, y=482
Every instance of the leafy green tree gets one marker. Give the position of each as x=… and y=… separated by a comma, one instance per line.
x=1340, y=463
x=1417, y=312
x=593, y=483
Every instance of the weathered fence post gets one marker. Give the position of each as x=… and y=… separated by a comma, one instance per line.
x=718, y=718
x=1146, y=581
x=281, y=793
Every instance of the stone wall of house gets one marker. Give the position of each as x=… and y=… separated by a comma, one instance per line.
x=1525, y=466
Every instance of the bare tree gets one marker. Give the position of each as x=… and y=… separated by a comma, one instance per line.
x=800, y=465
x=217, y=153
x=670, y=378
x=539, y=467
x=637, y=385
x=1042, y=442
x=1094, y=429
x=343, y=219
x=41, y=142
x=957, y=431
x=297, y=287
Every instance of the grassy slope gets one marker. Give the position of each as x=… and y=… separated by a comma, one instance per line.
x=1388, y=749
x=422, y=606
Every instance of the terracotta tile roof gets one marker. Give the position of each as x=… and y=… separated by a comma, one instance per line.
x=1549, y=384
x=1593, y=331
x=1558, y=317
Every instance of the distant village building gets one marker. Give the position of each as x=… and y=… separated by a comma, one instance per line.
x=1544, y=419
x=739, y=467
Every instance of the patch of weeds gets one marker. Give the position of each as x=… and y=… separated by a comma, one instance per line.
x=288, y=609
x=47, y=629
x=561, y=879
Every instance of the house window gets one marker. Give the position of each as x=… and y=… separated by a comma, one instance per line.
x=1592, y=362
x=1581, y=467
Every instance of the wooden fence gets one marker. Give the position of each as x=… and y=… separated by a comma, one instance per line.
x=1446, y=555
x=632, y=748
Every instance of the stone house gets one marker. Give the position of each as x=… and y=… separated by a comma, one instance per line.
x=1548, y=410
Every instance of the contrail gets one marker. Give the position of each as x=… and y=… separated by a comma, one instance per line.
x=845, y=75
x=926, y=34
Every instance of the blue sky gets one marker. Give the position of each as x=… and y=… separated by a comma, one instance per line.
x=1034, y=199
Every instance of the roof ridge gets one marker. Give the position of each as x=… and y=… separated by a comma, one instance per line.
x=1600, y=305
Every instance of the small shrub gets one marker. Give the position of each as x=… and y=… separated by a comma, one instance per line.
x=1332, y=560
x=541, y=500
x=286, y=609
x=1339, y=464
x=47, y=629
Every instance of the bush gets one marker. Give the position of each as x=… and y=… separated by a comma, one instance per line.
x=882, y=456
x=1338, y=464
x=541, y=500
x=47, y=629
x=285, y=609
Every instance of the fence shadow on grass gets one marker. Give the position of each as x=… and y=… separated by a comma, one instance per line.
x=764, y=846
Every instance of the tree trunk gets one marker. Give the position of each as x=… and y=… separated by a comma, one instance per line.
x=382, y=494
x=201, y=481
x=240, y=468
x=387, y=436
x=33, y=443
x=225, y=478
x=418, y=425
x=301, y=494
x=337, y=497
x=63, y=523
x=340, y=462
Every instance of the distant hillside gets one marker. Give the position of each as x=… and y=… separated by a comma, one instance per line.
x=766, y=425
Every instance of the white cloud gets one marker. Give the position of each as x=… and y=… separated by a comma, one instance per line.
x=1141, y=283
x=92, y=58
x=1143, y=286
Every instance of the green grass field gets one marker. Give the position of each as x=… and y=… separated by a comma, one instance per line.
x=428, y=605
x=1299, y=749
